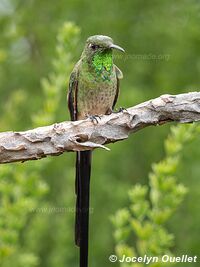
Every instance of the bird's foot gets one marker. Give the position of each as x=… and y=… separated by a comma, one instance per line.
x=121, y=109
x=94, y=118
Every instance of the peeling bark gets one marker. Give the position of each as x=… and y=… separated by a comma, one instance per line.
x=85, y=135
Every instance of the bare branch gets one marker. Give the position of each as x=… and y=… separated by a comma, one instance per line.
x=84, y=135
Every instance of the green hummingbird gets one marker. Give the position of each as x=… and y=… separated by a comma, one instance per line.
x=93, y=91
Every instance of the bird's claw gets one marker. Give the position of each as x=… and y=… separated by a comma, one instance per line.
x=121, y=109
x=94, y=118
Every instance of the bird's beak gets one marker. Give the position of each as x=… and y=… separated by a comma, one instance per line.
x=117, y=47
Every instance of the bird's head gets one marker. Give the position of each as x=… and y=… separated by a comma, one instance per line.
x=99, y=45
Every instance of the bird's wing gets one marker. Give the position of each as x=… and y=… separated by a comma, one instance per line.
x=72, y=94
x=119, y=76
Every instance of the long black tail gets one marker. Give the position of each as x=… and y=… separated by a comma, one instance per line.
x=83, y=170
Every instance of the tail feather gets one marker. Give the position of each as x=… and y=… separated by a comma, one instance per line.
x=77, y=191
x=83, y=170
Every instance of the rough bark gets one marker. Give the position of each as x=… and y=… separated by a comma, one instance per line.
x=83, y=135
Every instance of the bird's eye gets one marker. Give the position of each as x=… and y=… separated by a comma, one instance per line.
x=93, y=46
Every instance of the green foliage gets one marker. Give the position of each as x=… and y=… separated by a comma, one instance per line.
x=22, y=188
x=54, y=86
x=144, y=221
x=161, y=39
x=18, y=197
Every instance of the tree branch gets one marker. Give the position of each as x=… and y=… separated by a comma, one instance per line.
x=83, y=135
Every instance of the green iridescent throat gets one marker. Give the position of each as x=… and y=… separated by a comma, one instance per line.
x=103, y=61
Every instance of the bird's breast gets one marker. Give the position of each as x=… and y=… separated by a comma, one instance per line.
x=95, y=95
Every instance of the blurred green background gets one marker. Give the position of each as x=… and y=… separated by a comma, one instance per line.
x=37, y=53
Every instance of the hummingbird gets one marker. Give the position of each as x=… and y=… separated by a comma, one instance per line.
x=93, y=91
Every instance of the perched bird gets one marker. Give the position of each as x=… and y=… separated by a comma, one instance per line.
x=93, y=91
